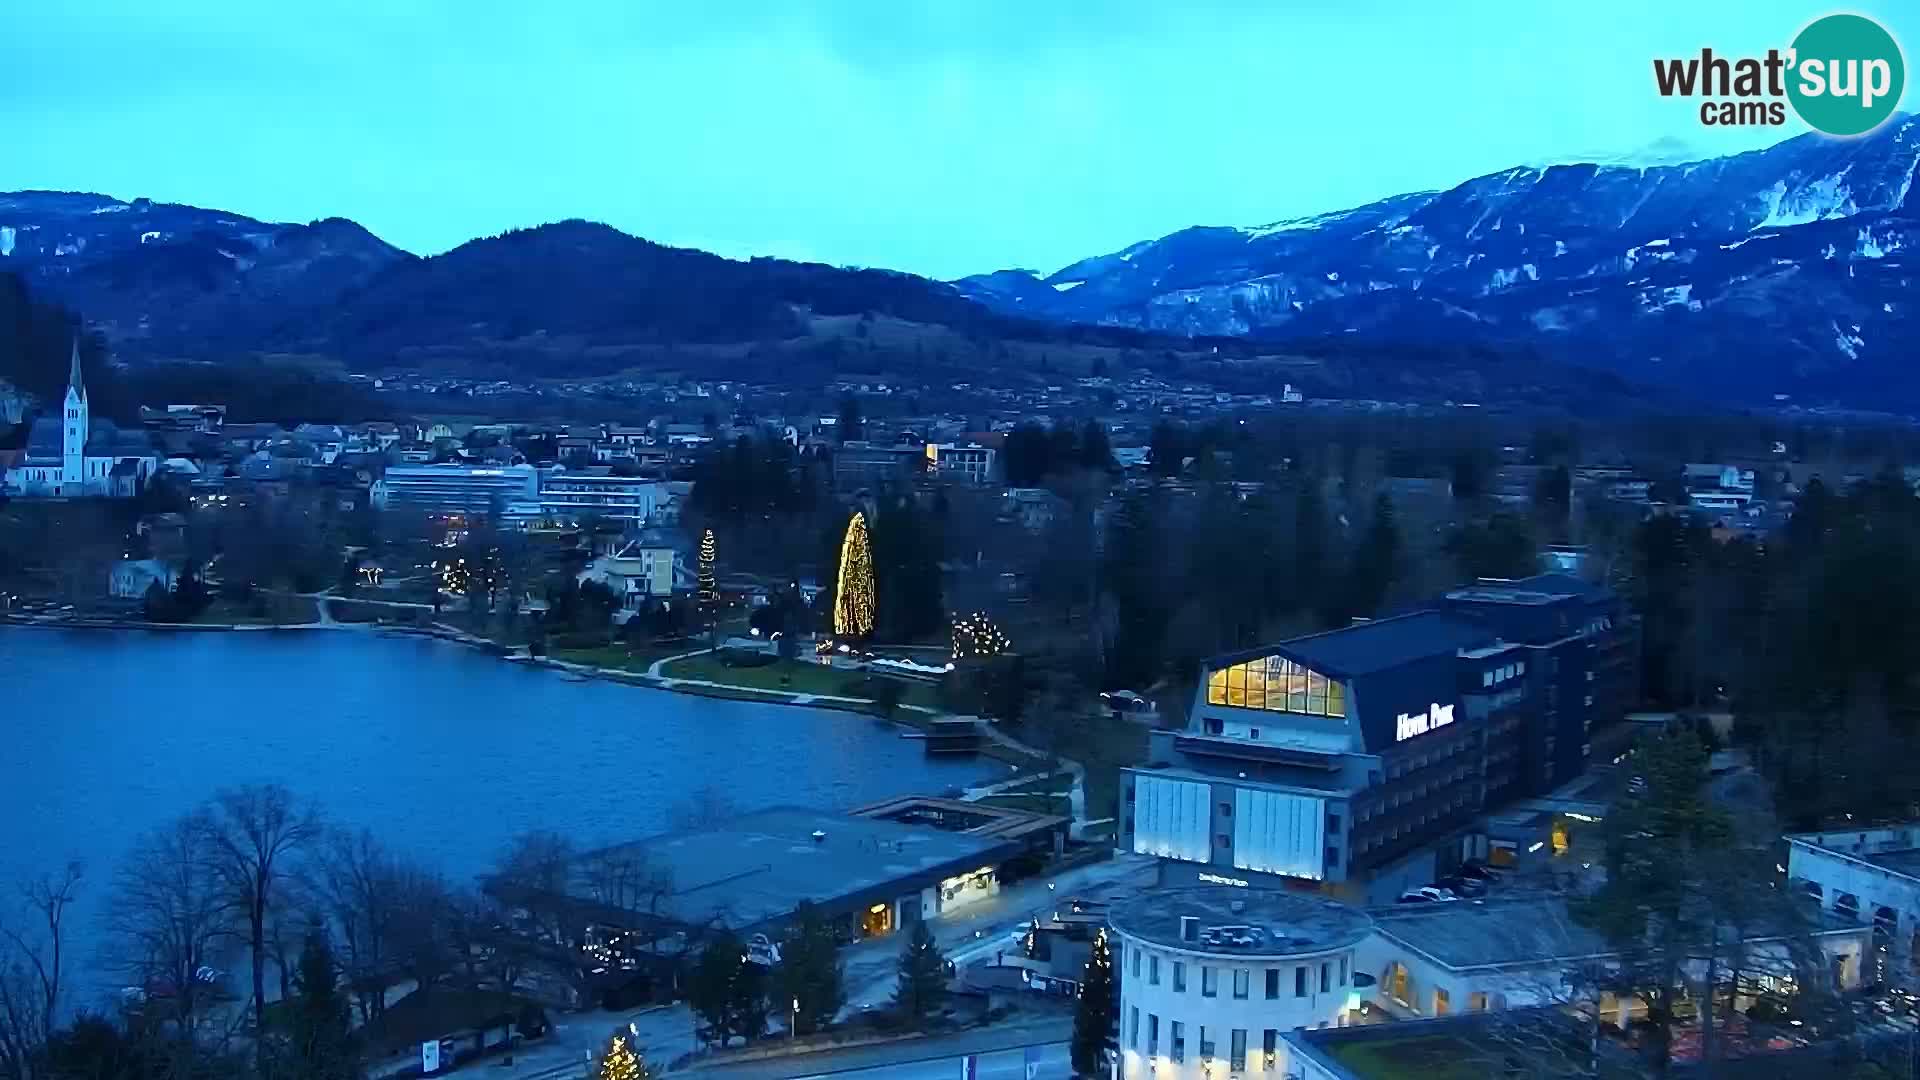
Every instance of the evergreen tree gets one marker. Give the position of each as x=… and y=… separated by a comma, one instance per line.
x=712, y=986
x=1375, y=565
x=853, y=603
x=810, y=971
x=709, y=586
x=321, y=1038
x=621, y=1062
x=1096, y=451
x=1093, y=1018
x=923, y=975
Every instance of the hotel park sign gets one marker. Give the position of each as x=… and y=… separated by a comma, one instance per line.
x=1406, y=725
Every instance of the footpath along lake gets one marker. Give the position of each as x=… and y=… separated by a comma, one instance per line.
x=443, y=751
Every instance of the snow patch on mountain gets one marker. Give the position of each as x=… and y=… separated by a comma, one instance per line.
x=6, y=239
x=1064, y=286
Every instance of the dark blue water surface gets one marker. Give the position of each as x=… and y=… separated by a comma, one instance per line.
x=443, y=751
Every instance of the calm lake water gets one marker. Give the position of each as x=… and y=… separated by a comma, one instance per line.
x=443, y=751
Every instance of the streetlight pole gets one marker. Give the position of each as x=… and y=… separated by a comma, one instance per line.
x=793, y=1024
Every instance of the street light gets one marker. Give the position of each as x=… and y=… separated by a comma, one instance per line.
x=793, y=1025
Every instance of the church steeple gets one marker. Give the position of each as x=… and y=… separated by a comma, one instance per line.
x=75, y=385
x=73, y=430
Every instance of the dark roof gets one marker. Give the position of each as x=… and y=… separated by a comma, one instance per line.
x=1380, y=645
x=44, y=440
x=1240, y=922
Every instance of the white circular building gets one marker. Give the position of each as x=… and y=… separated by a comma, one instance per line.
x=1211, y=976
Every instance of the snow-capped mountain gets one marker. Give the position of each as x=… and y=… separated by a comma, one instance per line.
x=1784, y=270
x=151, y=271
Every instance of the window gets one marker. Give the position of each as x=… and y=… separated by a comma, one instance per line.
x=1153, y=1034
x=1270, y=1045
x=1486, y=678
x=1206, y=1044
x=1178, y=1051
x=1179, y=977
x=1300, y=981
x=1209, y=981
x=1241, y=978
x=1326, y=977
x=1153, y=971
x=1273, y=983
x=1226, y=809
x=1343, y=971
x=1333, y=822
x=1134, y=951
x=1276, y=684
x=1225, y=840
x=1477, y=1001
x=1237, y=1050
x=1440, y=1002
x=1133, y=1027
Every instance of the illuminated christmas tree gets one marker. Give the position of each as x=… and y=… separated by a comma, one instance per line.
x=709, y=591
x=853, y=600
x=620, y=1062
x=975, y=637
x=1093, y=1020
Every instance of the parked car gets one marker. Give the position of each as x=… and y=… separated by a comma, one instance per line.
x=1462, y=886
x=1426, y=894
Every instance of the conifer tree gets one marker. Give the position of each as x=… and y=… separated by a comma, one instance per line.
x=621, y=1062
x=1093, y=1019
x=923, y=975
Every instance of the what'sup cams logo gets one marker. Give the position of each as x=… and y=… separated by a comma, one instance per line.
x=1843, y=75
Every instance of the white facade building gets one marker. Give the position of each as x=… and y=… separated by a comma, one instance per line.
x=71, y=457
x=1212, y=976
x=1869, y=877
x=457, y=489
x=568, y=496
x=1436, y=960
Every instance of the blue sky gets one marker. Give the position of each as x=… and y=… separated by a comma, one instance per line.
x=942, y=137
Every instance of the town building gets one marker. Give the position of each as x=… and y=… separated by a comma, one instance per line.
x=1211, y=978
x=967, y=464
x=1350, y=759
x=569, y=496
x=1870, y=877
x=74, y=456
x=468, y=490
x=861, y=466
x=1433, y=960
x=865, y=876
x=650, y=568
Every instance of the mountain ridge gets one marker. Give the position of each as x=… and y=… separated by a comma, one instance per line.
x=1638, y=269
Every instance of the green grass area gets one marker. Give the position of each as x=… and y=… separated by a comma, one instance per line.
x=728, y=693
x=1098, y=742
x=1450, y=1056
x=622, y=656
x=795, y=677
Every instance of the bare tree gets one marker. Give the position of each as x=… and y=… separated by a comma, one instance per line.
x=30, y=976
x=254, y=831
x=355, y=879
x=169, y=917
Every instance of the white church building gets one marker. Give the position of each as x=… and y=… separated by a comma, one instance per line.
x=72, y=456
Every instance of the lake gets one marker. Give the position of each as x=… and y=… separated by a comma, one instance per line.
x=443, y=751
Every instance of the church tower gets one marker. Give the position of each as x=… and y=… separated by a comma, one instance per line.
x=73, y=442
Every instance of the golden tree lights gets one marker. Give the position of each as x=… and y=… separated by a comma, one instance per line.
x=621, y=1063
x=853, y=599
x=975, y=637
x=709, y=590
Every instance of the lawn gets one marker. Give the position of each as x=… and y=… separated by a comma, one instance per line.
x=795, y=677
x=622, y=656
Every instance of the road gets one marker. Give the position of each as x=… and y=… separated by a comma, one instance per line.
x=1052, y=1061
x=975, y=932
x=1000, y=1053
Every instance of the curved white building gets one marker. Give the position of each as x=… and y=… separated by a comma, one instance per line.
x=1212, y=975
